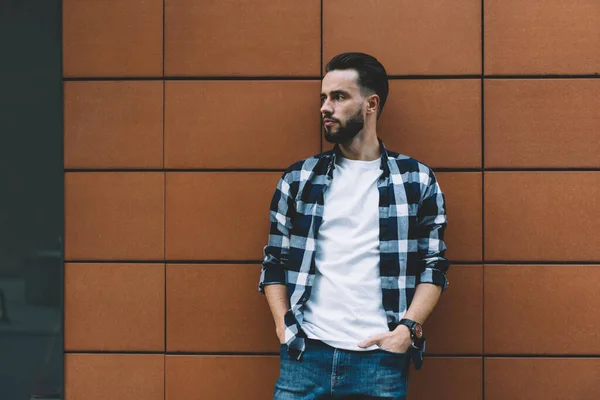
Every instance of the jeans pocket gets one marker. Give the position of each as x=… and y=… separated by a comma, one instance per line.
x=392, y=353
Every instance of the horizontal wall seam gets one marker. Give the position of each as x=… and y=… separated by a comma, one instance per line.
x=71, y=170
x=441, y=169
x=193, y=78
x=565, y=169
x=544, y=76
x=437, y=355
x=312, y=78
x=163, y=261
x=457, y=263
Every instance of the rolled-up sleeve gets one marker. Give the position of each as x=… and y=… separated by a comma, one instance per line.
x=277, y=249
x=432, y=225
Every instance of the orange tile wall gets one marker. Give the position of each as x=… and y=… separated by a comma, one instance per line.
x=181, y=114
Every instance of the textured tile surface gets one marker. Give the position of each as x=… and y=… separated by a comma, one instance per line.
x=220, y=124
x=114, y=307
x=462, y=191
x=542, y=37
x=455, y=378
x=542, y=216
x=117, y=38
x=542, y=378
x=408, y=37
x=114, y=216
x=223, y=377
x=536, y=301
x=116, y=124
x=218, y=215
x=242, y=38
x=237, y=322
x=438, y=122
x=543, y=123
x=456, y=324
x=114, y=376
x=241, y=124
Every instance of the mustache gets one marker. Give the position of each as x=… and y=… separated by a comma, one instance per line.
x=329, y=117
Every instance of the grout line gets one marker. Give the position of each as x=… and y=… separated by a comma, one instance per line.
x=466, y=263
x=321, y=71
x=435, y=169
x=165, y=237
x=432, y=77
x=163, y=39
x=534, y=356
x=445, y=169
x=116, y=352
x=565, y=169
x=542, y=263
x=253, y=262
x=87, y=170
x=164, y=211
x=544, y=76
x=196, y=78
x=114, y=261
x=165, y=261
x=243, y=353
x=318, y=78
x=482, y=198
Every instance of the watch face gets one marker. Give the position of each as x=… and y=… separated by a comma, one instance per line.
x=418, y=331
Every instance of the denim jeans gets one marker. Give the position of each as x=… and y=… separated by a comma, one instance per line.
x=324, y=372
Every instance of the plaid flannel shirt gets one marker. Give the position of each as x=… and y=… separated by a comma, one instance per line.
x=412, y=220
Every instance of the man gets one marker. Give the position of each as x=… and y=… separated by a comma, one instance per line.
x=355, y=259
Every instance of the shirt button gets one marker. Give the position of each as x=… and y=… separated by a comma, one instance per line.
x=304, y=299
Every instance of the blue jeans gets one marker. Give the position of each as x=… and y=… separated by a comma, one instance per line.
x=324, y=372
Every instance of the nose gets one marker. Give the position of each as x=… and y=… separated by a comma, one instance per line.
x=326, y=108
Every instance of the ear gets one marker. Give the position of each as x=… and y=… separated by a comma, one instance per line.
x=372, y=104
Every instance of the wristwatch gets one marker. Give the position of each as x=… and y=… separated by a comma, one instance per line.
x=416, y=329
x=417, y=347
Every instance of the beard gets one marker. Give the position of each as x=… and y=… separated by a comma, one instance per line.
x=347, y=131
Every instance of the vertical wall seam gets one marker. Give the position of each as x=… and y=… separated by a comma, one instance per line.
x=164, y=211
x=482, y=200
x=321, y=74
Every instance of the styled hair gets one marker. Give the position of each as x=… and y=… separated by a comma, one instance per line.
x=372, y=76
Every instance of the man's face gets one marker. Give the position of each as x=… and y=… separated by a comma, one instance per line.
x=342, y=106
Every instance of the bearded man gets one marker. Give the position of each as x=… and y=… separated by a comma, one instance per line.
x=355, y=260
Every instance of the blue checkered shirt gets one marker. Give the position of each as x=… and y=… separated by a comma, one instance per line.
x=412, y=220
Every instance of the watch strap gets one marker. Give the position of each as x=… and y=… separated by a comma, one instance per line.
x=410, y=324
x=415, y=351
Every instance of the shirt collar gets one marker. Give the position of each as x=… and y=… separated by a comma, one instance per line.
x=338, y=153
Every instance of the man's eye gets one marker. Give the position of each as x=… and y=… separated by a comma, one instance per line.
x=339, y=97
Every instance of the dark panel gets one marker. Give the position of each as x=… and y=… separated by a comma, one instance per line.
x=31, y=200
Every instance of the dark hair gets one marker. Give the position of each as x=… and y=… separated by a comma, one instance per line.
x=371, y=74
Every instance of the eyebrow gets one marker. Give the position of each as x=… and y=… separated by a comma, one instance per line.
x=334, y=92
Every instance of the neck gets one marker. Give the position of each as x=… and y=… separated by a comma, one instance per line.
x=364, y=146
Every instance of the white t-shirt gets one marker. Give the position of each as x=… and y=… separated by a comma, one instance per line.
x=345, y=306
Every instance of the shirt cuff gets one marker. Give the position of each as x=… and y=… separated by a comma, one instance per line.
x=434, y=276
x=272, y=276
